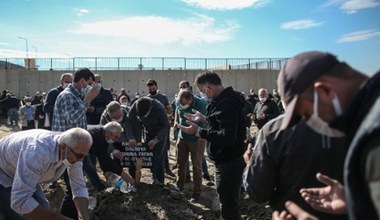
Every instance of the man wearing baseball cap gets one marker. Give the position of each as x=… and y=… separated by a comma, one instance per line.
x=338, y=100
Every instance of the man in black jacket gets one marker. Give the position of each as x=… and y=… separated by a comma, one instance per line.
x=150, y=114
x=51, y=96
x=225, y=133
x=98, y=105
x=284, y=161
x=265, y=109
x=336, y=98
x=102, y=136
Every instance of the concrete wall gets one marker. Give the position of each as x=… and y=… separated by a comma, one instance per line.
x=23, y=82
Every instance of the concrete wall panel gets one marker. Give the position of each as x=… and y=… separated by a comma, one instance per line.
x=24, y=82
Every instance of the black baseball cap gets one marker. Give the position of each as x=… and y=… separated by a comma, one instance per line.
x=297, y=75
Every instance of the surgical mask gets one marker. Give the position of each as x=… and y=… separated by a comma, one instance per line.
x=203, y=96
x=65, y=85
x=208, y=98
x=28, y=103
x=110, y=141
x=99, y=85
x=320, y=126
x=124, y=103
x=184, y=107
x=262, y=100
x=66, y=161
x=118, y=120
x=85, y=90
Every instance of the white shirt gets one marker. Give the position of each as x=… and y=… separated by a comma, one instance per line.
x=31, y=157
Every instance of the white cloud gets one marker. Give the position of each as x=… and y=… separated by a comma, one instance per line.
x=300, y=24
x=226, y=4
x=82, y=11
x=352, y=6
x=3, y=44
x=162, y=30
x=359, y=36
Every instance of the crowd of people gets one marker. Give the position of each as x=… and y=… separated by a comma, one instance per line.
x=313, y=157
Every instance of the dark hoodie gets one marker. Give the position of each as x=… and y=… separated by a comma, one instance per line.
x=225, y=127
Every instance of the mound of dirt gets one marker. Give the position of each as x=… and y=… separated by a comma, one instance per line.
x=155, y=202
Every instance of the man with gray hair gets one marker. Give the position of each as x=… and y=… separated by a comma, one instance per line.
x=29, y=158
x=103, y=136
x=66, y=80
x=264, y=110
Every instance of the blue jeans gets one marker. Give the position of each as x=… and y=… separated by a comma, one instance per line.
x=5, y=202
x=158, y=166
x=13, y=116
x=228, y=179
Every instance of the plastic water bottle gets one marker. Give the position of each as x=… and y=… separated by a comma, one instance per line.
x=117, y=182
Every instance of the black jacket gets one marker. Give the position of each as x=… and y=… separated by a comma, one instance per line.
x=284, y=161
x=50, y=102
x=225, y=127
x=99, y=148
x=361, y=123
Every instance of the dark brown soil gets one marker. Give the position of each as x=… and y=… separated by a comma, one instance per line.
x=155, y=202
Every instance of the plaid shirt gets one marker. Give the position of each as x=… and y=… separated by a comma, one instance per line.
x=28, y=158
x=69, y=110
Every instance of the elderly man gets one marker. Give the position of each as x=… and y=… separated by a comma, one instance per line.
x=28, y=158
x=115, y=112
x=337, y=99
x=103, y=136
x=264, y=110
x=66, y=80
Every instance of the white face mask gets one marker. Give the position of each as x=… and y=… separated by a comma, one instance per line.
x=85, y=90
x=207, y=97
x=119, y=120
x=320, y=126
x=203, y=96
x=65, y=85
x=66, y=161
x=110, y=141
x=262, y=100
x=28, y=103
x=184, y=107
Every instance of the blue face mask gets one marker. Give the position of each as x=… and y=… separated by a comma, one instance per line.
x=99, y=85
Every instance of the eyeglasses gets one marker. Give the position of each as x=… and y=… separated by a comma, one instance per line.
x=78, y=156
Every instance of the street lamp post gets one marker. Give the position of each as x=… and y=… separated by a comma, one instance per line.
x=35, y=51
x=26, y=45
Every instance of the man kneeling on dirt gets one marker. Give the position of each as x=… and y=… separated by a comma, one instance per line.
x=29, y=158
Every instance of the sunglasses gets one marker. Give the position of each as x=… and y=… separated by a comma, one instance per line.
x=78, y=156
